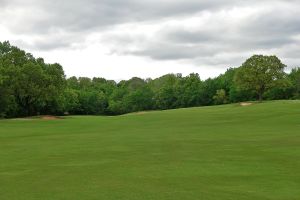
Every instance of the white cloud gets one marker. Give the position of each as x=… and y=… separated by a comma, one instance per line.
x=118, y=39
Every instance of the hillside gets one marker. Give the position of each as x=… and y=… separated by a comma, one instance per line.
x=212, y=153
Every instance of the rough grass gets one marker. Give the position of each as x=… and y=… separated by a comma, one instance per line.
x=227, y=152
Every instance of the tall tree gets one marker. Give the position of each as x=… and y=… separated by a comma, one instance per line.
x=260, y=73
x=30, y=86
x=295, y=80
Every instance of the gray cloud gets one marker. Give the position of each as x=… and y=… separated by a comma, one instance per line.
x=271, y=30
x=79, y=15
x=4, y=3
x=215, y=38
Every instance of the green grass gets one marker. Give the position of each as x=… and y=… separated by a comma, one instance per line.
x=211, y=153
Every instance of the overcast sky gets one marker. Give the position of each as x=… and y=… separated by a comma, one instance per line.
x=119, y=39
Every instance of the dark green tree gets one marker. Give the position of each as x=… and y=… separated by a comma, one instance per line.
x=220, y=97
x=30, y=86
x=260, y=73
x=294, y=77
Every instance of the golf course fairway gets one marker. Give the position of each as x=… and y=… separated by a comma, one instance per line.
x=229, y=152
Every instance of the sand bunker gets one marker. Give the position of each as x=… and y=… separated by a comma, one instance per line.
x=246, y=104
x=49, y=117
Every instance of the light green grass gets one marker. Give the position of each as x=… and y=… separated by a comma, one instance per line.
x=211, y=153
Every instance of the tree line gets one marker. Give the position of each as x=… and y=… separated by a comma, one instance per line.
x=29, y=86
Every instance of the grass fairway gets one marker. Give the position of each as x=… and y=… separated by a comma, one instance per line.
x=227, y=152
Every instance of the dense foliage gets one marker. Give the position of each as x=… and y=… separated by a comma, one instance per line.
x=29, y=86
x=260, y=73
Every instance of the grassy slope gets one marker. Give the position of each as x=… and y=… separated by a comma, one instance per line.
x=210, y=153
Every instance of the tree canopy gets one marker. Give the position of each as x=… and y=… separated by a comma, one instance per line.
x=29, y=86
x=260, y=73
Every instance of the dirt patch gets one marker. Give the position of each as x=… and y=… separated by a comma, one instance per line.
x=39, y=117
x=137, y=113
x=49, y=117
x=246, y=104
x=140, y=113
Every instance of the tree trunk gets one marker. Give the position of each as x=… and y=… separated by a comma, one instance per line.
x=260, y=96
x=261, y=92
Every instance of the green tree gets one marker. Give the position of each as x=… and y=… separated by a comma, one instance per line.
x=28, y=85
x=139, y=100
x=210, y=86
x=8, y=106
x=55, y=84
x=165, y=89
x=295, y=80
x=260, y=73
x=189, y=91
x=220, y=97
